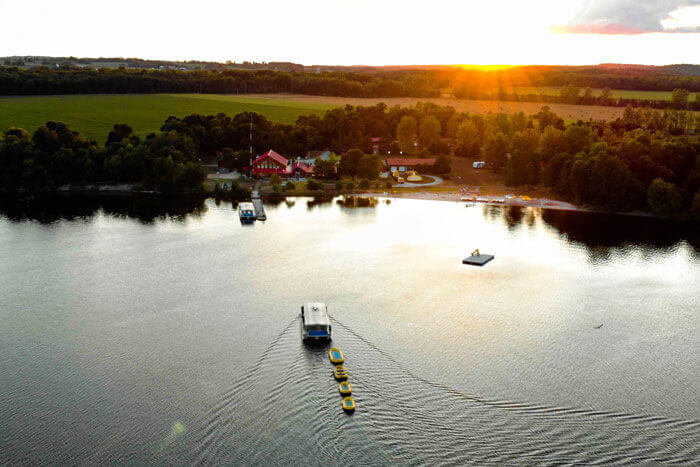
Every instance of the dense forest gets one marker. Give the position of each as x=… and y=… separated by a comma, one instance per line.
x=462, y=83
x=646, y=159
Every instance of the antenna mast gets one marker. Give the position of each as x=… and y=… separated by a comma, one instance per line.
x=251, y=140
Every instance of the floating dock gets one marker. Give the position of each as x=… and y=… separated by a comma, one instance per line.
x=477, y=259
x=258, y=204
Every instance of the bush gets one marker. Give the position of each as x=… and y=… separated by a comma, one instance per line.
x=313, y=185
x=338, y=185
x=289, y=186
x=350, y=186
x=364, y=184
x=388, y=185
x=276, y=188
x=275, y=180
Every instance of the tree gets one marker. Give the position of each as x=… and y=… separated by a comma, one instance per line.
x=663, y=197
x=349, y=161
x=679, y=98
x=495, y=150
x=552, y=142
x=406, y=133
x=324, y=169
x=443, y=165
x=429, y=130
x=606, y=96
x=275, y=179
x=467, y=138
x=119, y=132
x=695, y=208
x=570, y=93
x=578, y=138
x=369, y=166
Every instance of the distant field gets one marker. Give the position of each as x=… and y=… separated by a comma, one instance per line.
x=624, y=93
x=94, y=115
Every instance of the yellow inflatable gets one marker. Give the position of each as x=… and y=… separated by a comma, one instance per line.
x=345, y=388
x=340, y=373
x=349, y=404
x=336, y=355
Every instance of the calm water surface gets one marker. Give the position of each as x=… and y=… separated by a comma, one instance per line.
x=147, y=332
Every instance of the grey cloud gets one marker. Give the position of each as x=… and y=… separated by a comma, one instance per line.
x=626, y=16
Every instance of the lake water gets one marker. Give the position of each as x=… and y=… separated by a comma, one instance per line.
x=149, y=332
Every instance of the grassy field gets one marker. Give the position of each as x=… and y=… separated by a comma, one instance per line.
x=624, y=93
x=94, y=115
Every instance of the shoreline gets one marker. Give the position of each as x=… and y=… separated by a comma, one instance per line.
x=451, y=196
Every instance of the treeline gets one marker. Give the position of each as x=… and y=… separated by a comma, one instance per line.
x=570, y=94
x=463, y=83
x=16, y=81
x=607, y=165
x=646, y=159
x=54, y=156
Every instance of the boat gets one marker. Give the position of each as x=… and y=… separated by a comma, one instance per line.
x=349, y=404
x=336, y=355
x=246, y=212
x=340, y=373
x=315, y=323
x=345, y=388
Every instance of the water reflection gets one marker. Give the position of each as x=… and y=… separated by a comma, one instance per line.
x=357, y=202
x=321, y=201
x=145, y=208
x=600, y=232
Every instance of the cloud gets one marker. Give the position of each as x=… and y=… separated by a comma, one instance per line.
x=633, y=17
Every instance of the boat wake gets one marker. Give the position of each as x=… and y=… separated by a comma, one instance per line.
x=286, y=409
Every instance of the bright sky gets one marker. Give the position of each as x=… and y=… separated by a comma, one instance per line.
x=347, y=32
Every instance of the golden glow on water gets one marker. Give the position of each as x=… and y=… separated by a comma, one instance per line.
x=175, y=320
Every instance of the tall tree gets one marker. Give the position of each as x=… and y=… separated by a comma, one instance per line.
x=349, y=161
x=429, y=130
x=406, y=133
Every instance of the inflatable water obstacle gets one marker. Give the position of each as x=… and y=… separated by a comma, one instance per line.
x=345, y=388
x=340, y=373
x=349, y=404
x=336, y=356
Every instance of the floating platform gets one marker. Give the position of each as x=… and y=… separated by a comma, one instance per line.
x=340, y=373
x=477, y=259
x=258, y=205
x=336, y=355
x=345, y=388
x=349, y=404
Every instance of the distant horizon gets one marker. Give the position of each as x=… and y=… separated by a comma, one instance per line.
x=367, y=32
x=295, y=62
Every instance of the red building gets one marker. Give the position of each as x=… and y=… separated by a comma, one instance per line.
x=273, y=163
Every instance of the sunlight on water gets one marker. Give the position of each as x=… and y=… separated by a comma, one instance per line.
x=145, y=332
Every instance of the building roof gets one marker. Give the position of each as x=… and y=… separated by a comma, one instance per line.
x=409, y=161
x=272, y=155
x=302, y=167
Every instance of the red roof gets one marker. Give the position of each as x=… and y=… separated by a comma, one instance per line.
x=306, y=168
x=409, y=161
x=272, y=155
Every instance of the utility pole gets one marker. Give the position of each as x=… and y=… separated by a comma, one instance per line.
x=251, y=141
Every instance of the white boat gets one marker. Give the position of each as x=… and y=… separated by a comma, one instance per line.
x=246, y=212
x=315, y=322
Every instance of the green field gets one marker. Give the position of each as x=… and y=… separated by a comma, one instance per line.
x=555, y=90
x=94, y=115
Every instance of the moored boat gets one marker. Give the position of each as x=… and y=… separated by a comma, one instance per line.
x=246, y=212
